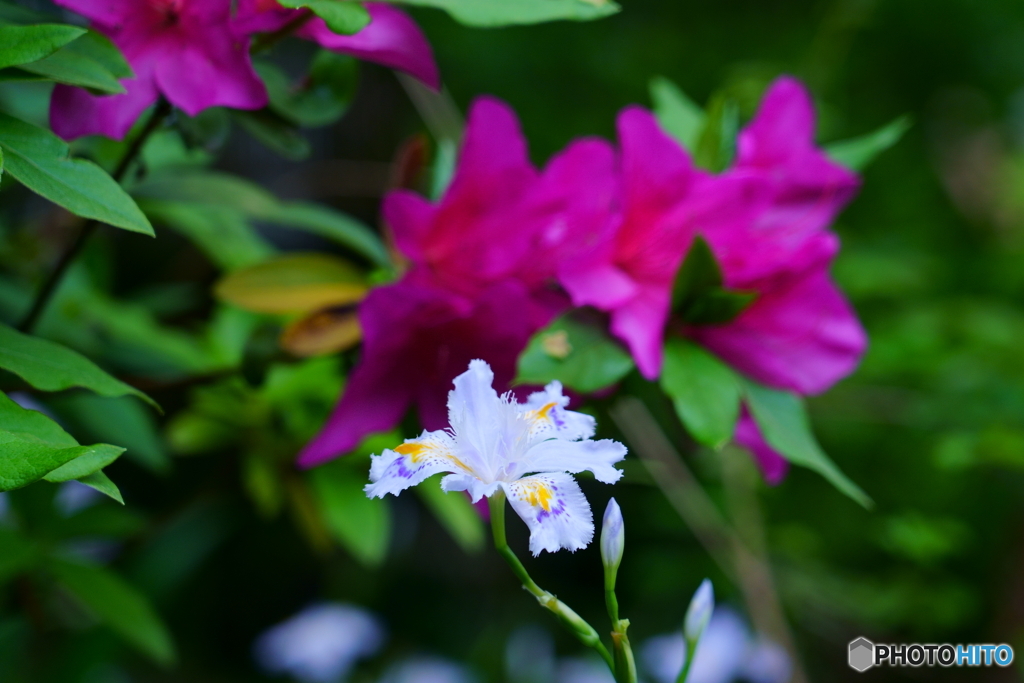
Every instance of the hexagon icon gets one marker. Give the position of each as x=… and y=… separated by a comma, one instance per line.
x=862, y=654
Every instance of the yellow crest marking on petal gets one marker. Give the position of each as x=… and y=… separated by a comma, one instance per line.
x=542, y=413
x=416, y=451
x=537, y=494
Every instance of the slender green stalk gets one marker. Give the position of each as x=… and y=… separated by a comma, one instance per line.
x=162, y=110
x=268, y=40
x=572, y=621
x=691, y=650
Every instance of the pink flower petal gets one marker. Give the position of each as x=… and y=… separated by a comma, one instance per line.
x=641, y=324
x=75, y=112
x=417, y=339
x=772, y=465
x=392, y=39
x=801, y=335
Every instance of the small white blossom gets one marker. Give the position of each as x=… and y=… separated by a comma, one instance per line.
x=428, y=670
x=613, y=536
x=698, y=614
x=528, y=450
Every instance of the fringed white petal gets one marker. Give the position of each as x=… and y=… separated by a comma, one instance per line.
x=555, y=455
x=393, y=471
x=470, y=484
x=555, y=509
x=545, y=410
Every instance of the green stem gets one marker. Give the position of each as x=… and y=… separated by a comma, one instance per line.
x=162, y=110
x=268, y=40
x=572, y=621
x=691, y=650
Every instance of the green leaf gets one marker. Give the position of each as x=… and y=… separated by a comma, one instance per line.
x=505, y=12
x=361, y=525
x=221, y=189
x=294, y=283
x=318, y=99
x=344, y=18
x=84, y=466
x=704, y=390
x=39, y=160
x=697, y=294
x=716, y=145
x=119, y=605
x=26, y=44
x=101, y=482
x=49, y=366
x=443, y=169
x=71, y=68
x=115, y=420
x=275, y=132
x=858, y=152
x=455, y=513
x=222, y=233
x=577, y=353
x=32, y=446
x=678, y=114
x=784, y=425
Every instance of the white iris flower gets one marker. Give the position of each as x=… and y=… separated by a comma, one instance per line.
x=528, y=450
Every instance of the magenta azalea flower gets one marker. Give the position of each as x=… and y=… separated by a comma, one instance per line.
x=766, y=221
x=182, y=49
x=392, y=37
x=481, y=263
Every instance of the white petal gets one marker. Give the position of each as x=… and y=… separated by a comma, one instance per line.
x=393, y=471
x=549, y=419
x=485, y=424
x=467, y=482
x=555, y=509
x=555, y=455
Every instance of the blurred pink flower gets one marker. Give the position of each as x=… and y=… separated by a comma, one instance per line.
x=479, y=281
x=766, y=220
x=392, y=37
x=183, y=49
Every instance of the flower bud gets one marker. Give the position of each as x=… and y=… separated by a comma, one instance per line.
x=699, y=613
x=613, y=536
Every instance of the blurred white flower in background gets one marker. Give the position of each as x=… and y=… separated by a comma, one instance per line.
x=74, y=496
x=727, y=652
x=428, y=670
x=530, y=656
x=5, y=509
x=320, y=644
x=583, y=670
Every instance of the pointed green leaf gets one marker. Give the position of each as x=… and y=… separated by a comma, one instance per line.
x=678, y=114
x=84, y=466
x=344, y=18
x=362, y=525
x=119, y=605
x=698, y=273
x=101, y=482
x=49, y=366
x=39, y=160
x=274, y=131
x=27, y=44
x=575, y=352
x=455, y=513
x=317, y=99
x=697, y=294
x=210, y=188
x=704, y=390
x=32, y=446
x=72, y=68
x=783, y=422
x=505, y=12
x=858, y=152
x=716, y=145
